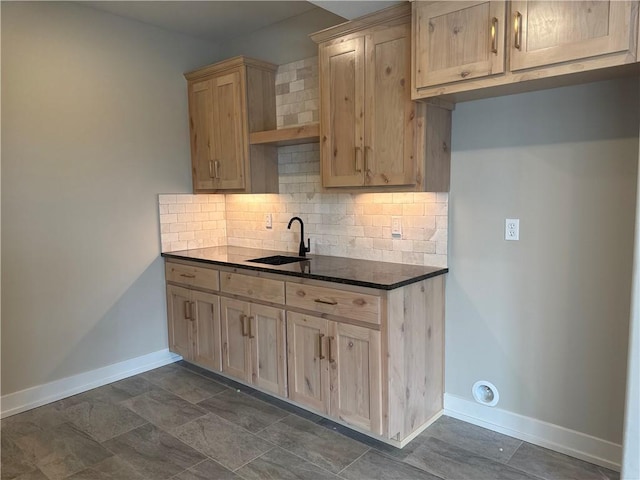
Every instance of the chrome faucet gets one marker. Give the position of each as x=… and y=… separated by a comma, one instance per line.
x=302, y=250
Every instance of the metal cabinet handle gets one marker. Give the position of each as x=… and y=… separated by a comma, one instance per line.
x=187, y=310
x=326, y=302
x=367, y=149
x=211, y=169
x=243, y=325
x=320, y=353
x=494, y=35
x=331, y=359
x=216, y=168
x=251, y=319
x=357, y=164
x=517, y=29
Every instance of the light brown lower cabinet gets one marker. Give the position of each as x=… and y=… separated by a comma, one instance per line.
x=194, y=325
x=371, y=359
x=335, y=369
x=253, y=344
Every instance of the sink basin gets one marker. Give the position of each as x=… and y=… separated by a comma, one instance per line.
x=278, y=260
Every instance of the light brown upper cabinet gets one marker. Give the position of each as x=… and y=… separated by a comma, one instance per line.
x=470, y=50
x=458, y=40
x=544, y=33
x=371, y=134
x=227, y=102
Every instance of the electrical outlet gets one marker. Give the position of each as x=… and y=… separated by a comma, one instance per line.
x=512, y=229
x=396, y=226
x=268, y=223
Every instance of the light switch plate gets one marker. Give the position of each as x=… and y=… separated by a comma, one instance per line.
x=396, y=226
x=268, y=222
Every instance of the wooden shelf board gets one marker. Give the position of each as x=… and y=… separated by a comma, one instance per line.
x=309, y=133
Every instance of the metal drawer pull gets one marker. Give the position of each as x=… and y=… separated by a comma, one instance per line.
x=326, y=302
x=187, y=275
x=331, y=359
x=320, y=337
x=494, y=35
x=251, y=319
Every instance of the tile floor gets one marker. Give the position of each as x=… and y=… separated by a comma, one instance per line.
x=178, y=422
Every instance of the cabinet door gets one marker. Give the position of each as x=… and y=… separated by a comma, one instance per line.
x=236, y=358
x=200, y=126
x=458, y=41
x=206, y=330
x=228, y=119
x=356, y=383
x=342, y=110
x=548, y=32
x=308, y=369
x=179, y=311
x=267, y=334
x=390, y=157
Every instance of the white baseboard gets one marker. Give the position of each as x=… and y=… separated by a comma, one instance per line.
x=547, y=435
x=33, y=397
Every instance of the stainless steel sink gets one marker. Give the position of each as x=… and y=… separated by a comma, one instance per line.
x=278, y=260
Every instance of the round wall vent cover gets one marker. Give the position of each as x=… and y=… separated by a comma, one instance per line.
x=485, y=393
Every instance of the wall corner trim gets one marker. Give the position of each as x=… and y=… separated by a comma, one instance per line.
x=554, y=437
x=17, y=402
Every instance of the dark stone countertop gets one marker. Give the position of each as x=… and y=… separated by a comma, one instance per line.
x=363, y=273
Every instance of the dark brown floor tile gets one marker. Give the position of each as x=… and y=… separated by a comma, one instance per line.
x=15, y=461
x=286, y=406
x=207, y=470
x=103, y=420
x=552, y=465
x=62, y=451
x=278, y=464
x=153, y=452
x=188, y=385
x=164, y=409
x=243, y=410
x=112, y=468
x=226, y=443
x=451, y=462
x=481, y=441
x=319, y=445
x=375, y=466
x=35, y=475
x=32, y=421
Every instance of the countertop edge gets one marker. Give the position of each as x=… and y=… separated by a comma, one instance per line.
x=311, y=276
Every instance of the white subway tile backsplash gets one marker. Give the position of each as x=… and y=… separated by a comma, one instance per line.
x=338, y=224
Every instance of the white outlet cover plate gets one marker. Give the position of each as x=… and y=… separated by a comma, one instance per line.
x=268, y=223
x=396, y=226
x=512, y=229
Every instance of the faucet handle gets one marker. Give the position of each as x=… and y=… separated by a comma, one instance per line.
x=308, y=247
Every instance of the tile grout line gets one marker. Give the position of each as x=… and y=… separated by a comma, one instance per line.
x=253, y=459
x=359, y=457
x=309, y=461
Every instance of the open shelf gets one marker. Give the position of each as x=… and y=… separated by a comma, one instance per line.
x=309, y=133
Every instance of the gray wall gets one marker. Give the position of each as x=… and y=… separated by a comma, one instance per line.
x=546, y=318
x=284, y=42
x=631, y=452
x=94, y=126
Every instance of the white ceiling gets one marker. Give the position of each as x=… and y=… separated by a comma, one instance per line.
x=220, y=21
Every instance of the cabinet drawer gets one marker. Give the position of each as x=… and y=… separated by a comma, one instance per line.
x=357, y=306
x=192, y=276
x=253, y=287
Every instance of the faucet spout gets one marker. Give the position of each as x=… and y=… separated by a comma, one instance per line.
x=302, y=250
